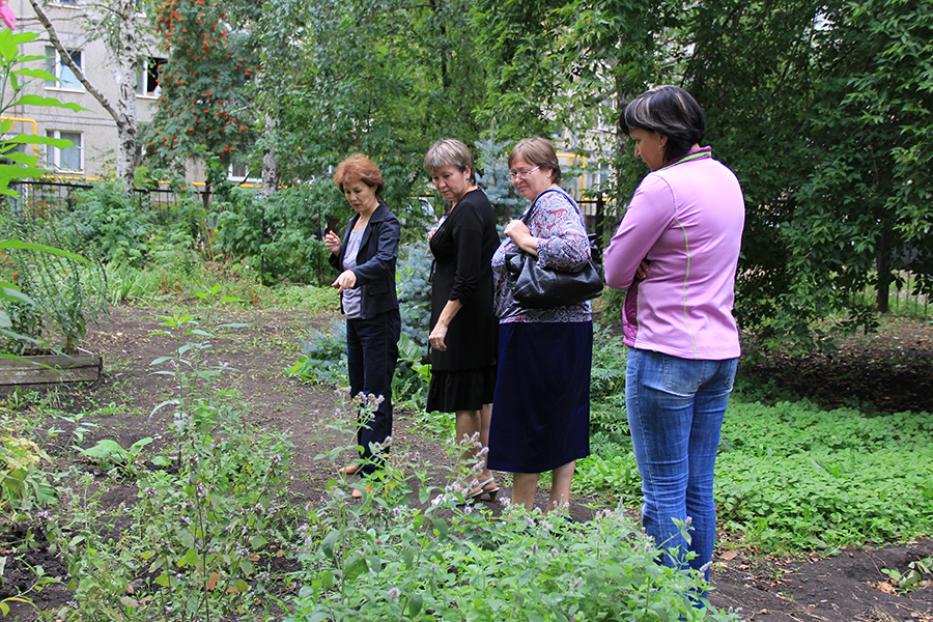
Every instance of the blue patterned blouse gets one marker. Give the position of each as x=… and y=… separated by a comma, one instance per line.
x=562, y=244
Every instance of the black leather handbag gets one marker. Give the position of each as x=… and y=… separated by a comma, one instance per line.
x=535, y=287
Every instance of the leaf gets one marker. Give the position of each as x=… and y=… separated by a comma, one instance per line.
x=29, y=246
x=354, y=567
x=41, y=74
x=212, y=580
x=159, y=407
x=239, y=586
x=330, y=543
x=35, y=139
x=136, y=447
x=190, y=558
x=163, y=580
x=415, y=605
x=106, y=450
x=159, y=360
x=47, y=102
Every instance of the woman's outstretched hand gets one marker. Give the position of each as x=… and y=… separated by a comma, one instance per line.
x=346, y=280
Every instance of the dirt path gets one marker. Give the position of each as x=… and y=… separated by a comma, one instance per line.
x=844, y=587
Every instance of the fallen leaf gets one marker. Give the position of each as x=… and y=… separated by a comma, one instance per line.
x=885, y=587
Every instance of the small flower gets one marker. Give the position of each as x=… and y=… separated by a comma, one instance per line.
x=393, y=593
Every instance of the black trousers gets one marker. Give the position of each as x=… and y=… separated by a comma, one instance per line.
x=372, y=354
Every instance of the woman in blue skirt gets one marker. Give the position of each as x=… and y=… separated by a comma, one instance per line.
x=542, y=397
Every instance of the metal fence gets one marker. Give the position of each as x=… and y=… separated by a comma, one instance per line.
x=41, y=196
x=902, y=297
x=598, y=214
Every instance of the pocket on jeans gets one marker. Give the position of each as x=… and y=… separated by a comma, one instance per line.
x=672, y=375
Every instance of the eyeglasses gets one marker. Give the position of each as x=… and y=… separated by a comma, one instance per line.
x=524, y=173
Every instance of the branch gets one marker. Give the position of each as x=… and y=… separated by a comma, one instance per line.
x=66, y=58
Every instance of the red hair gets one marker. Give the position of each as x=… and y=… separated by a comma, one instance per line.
x=358, y=167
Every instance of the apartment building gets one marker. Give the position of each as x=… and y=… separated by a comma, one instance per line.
x=92, y=130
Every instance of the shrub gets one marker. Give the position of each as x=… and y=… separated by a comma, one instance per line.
x=119, y=227
x=280, y=235
x=384, y=559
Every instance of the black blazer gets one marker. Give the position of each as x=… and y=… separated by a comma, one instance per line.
x=375, y=263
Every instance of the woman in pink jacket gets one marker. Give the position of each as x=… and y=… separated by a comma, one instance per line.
x=680, y=235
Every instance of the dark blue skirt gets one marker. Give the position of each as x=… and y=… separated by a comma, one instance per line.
x=541, y=405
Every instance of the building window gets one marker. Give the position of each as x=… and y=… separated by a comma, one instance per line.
x=147, y=76
x=67, y=159
x=66, y=2
x=241, y=173
x=64, y=77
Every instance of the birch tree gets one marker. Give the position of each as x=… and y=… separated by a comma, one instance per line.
x=116, y=23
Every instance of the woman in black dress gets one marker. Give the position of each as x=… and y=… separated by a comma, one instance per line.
x=463, y=337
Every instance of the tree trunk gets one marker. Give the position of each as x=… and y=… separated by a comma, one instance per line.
x=883, y=267
x=125, y=50
x=270, y=162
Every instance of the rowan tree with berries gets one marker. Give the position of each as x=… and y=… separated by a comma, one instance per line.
x=203, y=108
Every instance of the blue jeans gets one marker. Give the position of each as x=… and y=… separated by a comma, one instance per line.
x=675, y=412
x=372, y=353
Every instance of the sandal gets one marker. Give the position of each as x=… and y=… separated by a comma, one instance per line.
x=358, y=492
x=488, y=488
x=350, y=469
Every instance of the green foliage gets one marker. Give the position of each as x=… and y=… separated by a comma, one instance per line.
x=919, y=574
x=413, y=284
x=120, y=227
x=280, y=235
x=388, y=89
x=324, y=356
x=211, y=515
x=792, y=478
x=23, y=485
x=386, y=559
x=204, y=108
x=59, y=292
x=108, y=453
x=15, y=161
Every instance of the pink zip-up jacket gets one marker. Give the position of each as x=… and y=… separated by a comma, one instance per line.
x=686, y=219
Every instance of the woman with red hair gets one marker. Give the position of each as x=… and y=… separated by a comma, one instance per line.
x=366, y=256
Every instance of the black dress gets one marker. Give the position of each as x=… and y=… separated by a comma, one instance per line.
x=463, y=377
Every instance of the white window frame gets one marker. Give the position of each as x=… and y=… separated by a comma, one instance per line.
x=238, y=178
x=54, y=154
x=57, y=67
x=142, y=74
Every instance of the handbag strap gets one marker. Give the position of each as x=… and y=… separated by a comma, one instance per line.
x=527, y=216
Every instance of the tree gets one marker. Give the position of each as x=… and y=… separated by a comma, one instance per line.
x=204, y=110
x=385, y=77
x=567, y=67
x=865, y=210
x=116, y=23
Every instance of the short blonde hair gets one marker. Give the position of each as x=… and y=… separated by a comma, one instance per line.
x=538, y=151
x=449, y=152
x=358, y=167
